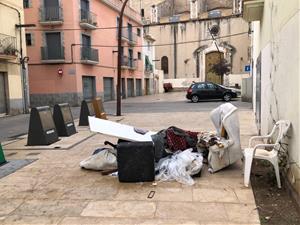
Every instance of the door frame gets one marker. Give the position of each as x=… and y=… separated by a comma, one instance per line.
x=203, y=50
x=131, y=92
x=123, y=88
x=221, y=56
x=6, y=93
x=93, y=86
x=147, y=86
x=138, y=91
x=112, y=88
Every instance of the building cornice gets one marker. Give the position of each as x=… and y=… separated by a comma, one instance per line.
x=129, y=12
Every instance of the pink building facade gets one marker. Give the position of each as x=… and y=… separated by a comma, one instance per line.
x=73, y=51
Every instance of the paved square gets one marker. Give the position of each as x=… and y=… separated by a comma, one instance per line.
x=54, y=190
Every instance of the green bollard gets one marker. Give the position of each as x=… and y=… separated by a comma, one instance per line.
x=2, y=157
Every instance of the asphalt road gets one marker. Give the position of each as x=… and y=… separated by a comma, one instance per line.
x=14, y=126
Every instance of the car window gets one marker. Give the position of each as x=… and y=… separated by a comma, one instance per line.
x=211, y=86
x=201, y=86
x=192, y=86
x=223, y=86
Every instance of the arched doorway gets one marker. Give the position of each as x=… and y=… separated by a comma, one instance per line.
x=165, y=66
x=211, y=59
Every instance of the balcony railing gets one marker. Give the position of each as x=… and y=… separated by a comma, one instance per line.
x=88, y=19
x=8, y=46
x=89, y=55
x=129, y=36
x=51, y=15
x=51, y=54
x=128, y=63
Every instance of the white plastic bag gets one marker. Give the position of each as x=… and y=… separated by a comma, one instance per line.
x=180, y=167
x=104, y=159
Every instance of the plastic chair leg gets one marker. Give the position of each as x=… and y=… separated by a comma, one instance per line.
x=247, y=167
x=277, y=173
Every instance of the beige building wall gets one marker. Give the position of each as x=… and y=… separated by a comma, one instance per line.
x=276, y=38
x=193, y=40
x=191, y=37
x=10, y=67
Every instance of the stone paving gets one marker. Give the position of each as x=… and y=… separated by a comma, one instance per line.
x=54, y=190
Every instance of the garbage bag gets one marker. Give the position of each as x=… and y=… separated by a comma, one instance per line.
x=180, y=167
x=102, y=159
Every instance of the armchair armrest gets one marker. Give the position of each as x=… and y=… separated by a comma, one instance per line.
x=226, y=144
x=257, y=138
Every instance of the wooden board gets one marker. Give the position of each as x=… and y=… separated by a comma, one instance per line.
x=121, y=131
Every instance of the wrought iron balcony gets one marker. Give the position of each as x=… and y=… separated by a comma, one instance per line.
x=53, y=55
x=89, y=55
x=129, y=36
x=128, y=63
x=51, y=15
x=8, y=47
x=88, y=20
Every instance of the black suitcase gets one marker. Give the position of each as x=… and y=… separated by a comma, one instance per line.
x=135, y=161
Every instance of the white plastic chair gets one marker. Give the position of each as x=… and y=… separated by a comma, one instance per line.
x=259, y=151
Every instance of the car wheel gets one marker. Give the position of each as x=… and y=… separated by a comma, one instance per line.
x=227, y=97
x=195, y=99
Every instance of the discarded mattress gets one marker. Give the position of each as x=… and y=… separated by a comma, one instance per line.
x=121, y=131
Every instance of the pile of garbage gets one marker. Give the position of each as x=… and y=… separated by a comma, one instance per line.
x=171, y=162
x=173, y=153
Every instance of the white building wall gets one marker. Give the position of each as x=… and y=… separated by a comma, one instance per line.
x=149, y=50
x=255, y=46
x=279, y=47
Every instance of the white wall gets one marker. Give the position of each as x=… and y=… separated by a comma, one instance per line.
x=279, y=46
x=255, y=46
x=182, y=83
x=232, y=79
x=159, y=80
x=150, y=52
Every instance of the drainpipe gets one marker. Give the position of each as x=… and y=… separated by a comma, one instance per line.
x=22, y=62
x=175, y=51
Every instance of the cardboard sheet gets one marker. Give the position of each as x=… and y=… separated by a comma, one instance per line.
x=121, y=131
